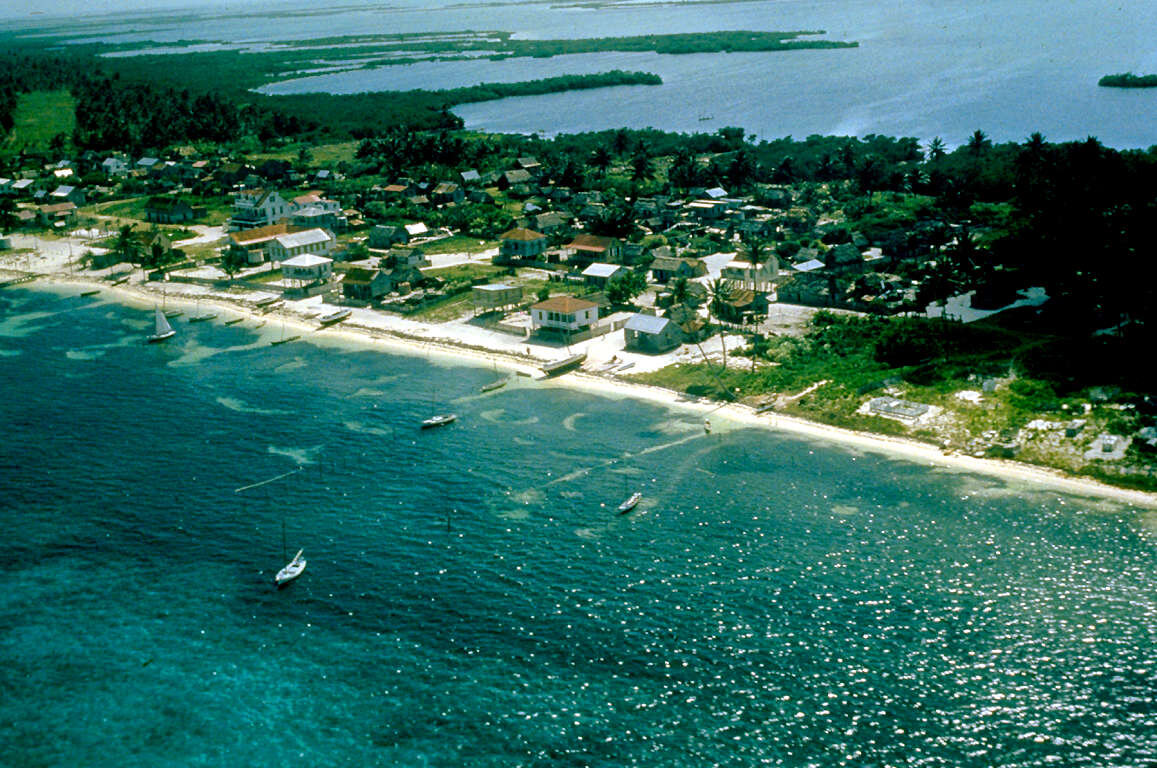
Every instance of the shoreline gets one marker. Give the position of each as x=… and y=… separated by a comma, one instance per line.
x=398, y=342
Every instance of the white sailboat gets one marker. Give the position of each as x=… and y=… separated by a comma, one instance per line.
x=163, y=330
x=631, y=502
x=200, y=316
x=293, y=568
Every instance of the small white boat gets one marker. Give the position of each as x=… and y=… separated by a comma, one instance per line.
x=630, y=503
x=163, y=329
x=200, y=316
x=334, y=317
x=292, y=570
x=565, y=364
x=440, y=420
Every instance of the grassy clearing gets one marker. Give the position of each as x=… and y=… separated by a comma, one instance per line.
x=39, y=117
x=318, y=156
x=217, y=209
x=459, y=244
x=466, y=272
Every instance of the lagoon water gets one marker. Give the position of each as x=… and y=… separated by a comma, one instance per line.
x=473, y=599
x=924, y=69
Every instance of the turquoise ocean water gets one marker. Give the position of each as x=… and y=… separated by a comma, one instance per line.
x=473, y=599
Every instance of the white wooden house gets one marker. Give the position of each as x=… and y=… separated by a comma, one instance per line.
x=315, y=241
x=258, y=208
x=307, y=268
x=564, y=313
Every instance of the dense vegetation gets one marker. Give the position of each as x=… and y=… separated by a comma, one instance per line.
x=1128, y=80
x=128, y=101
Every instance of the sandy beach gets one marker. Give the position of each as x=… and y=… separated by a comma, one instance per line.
x=461, y=341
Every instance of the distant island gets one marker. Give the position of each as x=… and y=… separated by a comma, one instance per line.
x=1128, y=80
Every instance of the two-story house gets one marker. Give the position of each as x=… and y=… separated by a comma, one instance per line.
x=564, y=314
x=758, y=277
x=257, y=208
x=585, y=249
x=518, y=244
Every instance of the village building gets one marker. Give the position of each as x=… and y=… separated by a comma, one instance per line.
x=306, y=269
x=707, y=210
x=257, y=208
x=447, y=192
x=412, y=258
x=495, y=296
x=564, y=314
x=758, y=277
x=521, y=244
x=254, y=243
x=512, y=179
x=385, y=236
x=585, y=249
x=67, y=193
x=552, y=221
x=743, y=305
x=665, y=268
x=23, y=188
x=326, y=214
x=307, y=241
x=651, y=334
x=57, y=215
x=599, y=275
x=691, y=324
x=168, y=210
x=114, y=166
x=365, y=284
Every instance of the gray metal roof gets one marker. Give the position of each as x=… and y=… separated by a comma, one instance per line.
x=298, y=239
x=646, y=324
x=601, y=270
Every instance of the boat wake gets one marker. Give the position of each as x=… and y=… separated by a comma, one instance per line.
x=568, y=422
x=300, y=455
x=239, y=406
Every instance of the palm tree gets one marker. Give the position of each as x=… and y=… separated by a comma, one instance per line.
x=127, y=247
x=760, y=346
x=621, y=141
x=936, y=149
x=719, y=293
x=679, y=291
x=684, y=170
x=641, y=167
x=758, y=251
x=978, y=143
x=601, y=159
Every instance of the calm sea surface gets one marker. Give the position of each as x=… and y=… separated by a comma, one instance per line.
x=924, y=68
x=472, y=598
